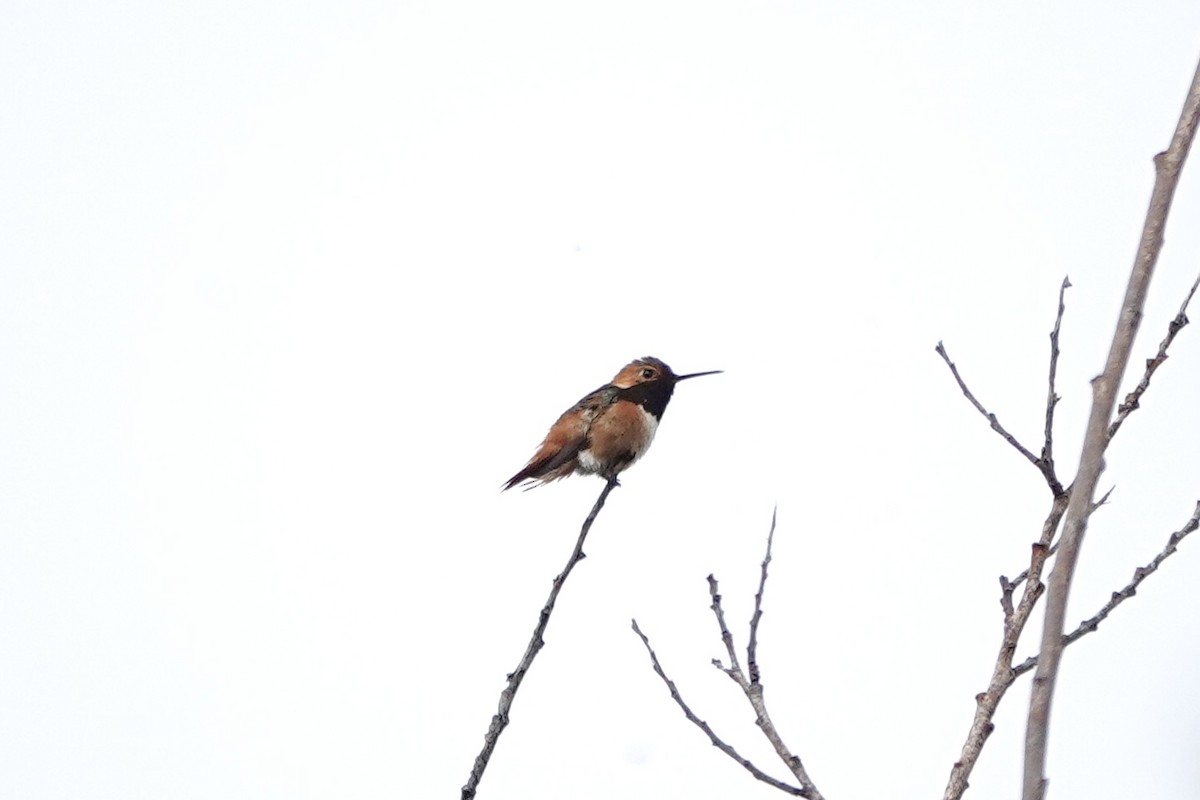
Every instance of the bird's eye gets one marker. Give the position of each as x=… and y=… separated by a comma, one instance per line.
x=647, y=373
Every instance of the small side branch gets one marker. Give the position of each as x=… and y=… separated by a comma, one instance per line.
x=752, y=647
x=1140, y=574
x=1043, y=467
x=1133, y=400
x=500, y=719
x=1052, y=397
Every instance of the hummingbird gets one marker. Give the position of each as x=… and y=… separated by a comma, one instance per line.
x=609, y=429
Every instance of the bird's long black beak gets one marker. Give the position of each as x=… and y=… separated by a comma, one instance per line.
x=698, y=374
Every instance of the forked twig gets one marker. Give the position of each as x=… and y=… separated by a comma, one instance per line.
x=500, y=719
x=1016, y=614
x=702, y=725
x=752, y=687
x=1131, y=403
x=1044, y=467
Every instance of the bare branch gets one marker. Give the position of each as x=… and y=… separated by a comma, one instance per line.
x=1133, y=400
x=1140, y=574
x=1015, y=618
x=752, y=647
x=1004, y=674
x=500, y=719
x=752, y=688
x=712, y=737
x=1042, y=467
x=1052, y=397
x=1168, y=166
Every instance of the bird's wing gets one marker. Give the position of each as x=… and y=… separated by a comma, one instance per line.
x=565, y=441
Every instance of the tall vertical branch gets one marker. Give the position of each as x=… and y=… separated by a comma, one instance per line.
x=1168, y=166
x=500, y=719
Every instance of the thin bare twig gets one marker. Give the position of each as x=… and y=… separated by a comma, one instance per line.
x=752, y=687
x=1140, y=574
x=752, y=647
x=1168, y=166
x=1052, y=397
x=1043, y=467
x=1133, y=399
x=712, y=737
x=500, y=719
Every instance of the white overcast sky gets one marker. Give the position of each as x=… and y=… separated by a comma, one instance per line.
x=289, y=289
